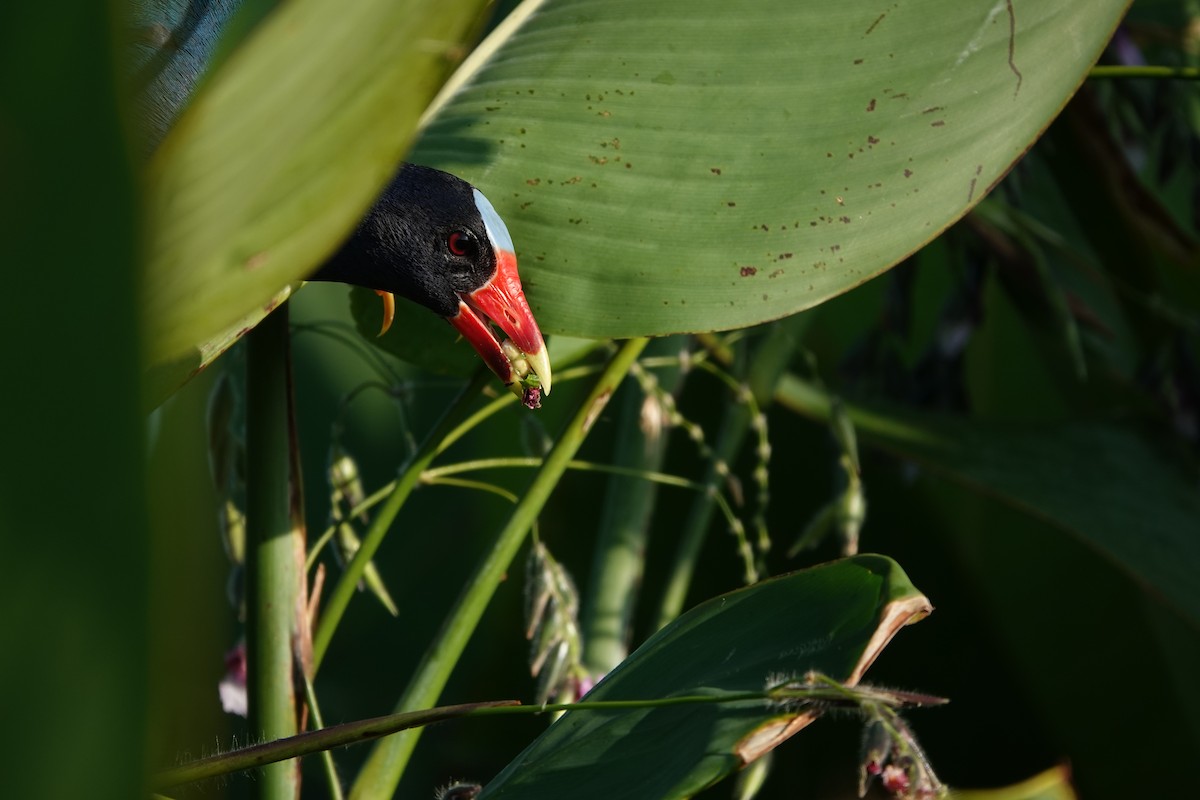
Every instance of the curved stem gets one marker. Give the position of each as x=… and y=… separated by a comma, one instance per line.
x=506, y=399
x=819, y=690
x=339, y=598
x=767, y=365
x=439, y=475
x=467, y=483
x=381, y=774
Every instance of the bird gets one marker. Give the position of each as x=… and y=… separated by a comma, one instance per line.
x=435, y=239
x=430, y=237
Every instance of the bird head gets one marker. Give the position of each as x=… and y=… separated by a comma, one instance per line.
x=436, y=240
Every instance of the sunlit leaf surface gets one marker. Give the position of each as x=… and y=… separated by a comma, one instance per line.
x=685, y=165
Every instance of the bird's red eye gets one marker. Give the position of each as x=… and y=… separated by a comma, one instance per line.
x=462, y=243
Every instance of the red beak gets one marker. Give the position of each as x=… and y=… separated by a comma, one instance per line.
x=502, y=301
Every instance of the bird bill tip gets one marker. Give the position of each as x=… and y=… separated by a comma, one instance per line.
x=501, y=300
x=525, y=373
x=539, y=363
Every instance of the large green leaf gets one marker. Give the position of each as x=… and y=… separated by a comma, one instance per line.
x=278, y=155
x=684, y=165
x=1113, y=488
x=834, y=618
x=74, y=600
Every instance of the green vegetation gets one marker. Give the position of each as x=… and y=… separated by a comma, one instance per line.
x=817, y=280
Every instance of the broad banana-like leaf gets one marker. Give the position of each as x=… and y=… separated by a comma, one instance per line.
x=1119, y=491
x=690, y=165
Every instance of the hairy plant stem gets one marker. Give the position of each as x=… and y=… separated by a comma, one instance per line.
x=381, y=774
x=819, y=691
x=275, y=548
x=307, y=743
x=366, y=730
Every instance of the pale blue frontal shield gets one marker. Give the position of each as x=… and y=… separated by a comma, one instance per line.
x=496, y=229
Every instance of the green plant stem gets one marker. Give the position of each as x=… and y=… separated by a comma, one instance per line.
x=339, y=598
x=805, y=398
x=769, y=359
x=1155, y=72
x=381, y=773
x=273, y=571
x=318, y=723
x=696, y=525
x=459, y=431
x=307, y=743
x=507, y=399
x=826, y=691
x=439, y=475
x=369, y=729
x=467, y=483
x=371, y=500
x=608, y=606
x=809, y=400
x=462, y=429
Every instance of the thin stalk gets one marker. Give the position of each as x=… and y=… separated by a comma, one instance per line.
x=439, y=475
x=273, y=572
x=339, y=598
x=804, y=398
x=462, y=429
x=697, y=522
x=810, y=400
x=467, y=483
x=612, y=593
x=381, y=774
x=827, y=693
x=768, y=362
x=308, y=743
x=349, y=733
x=371, y=500
x=318, y=723
x=1155, y=72
x=507, y=399
x=746, y=393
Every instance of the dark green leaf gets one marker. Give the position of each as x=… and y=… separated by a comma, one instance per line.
x=834, y=618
